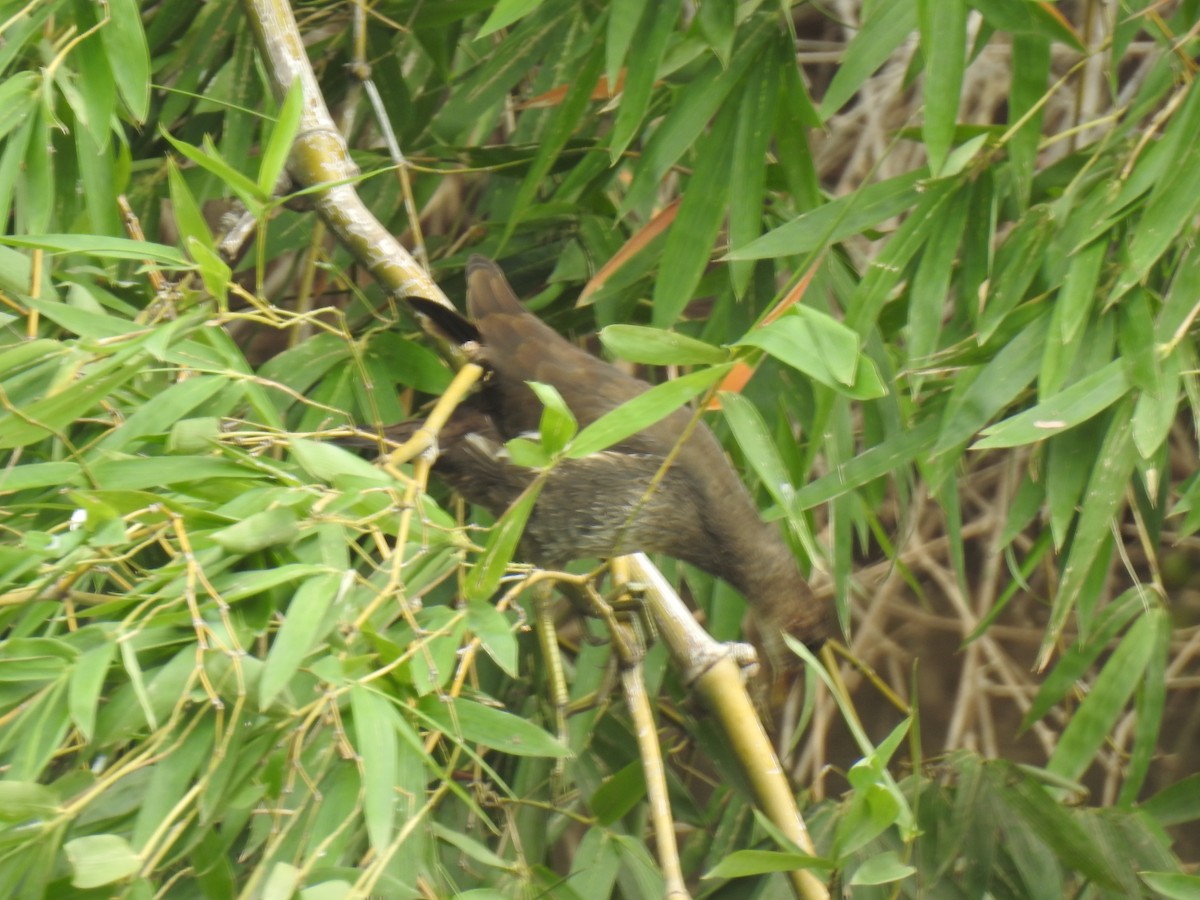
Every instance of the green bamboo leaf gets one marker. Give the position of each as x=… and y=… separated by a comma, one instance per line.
x=128, y=55
x=100, y=246
x=100, y=859
x=701, y=212
x=18, y=100
x=562, y=125
x=1088, y=397
x=1149, y=707
x=1049, y=821
x=815, y=343
x=931, y=282
x=1078, y=292
x=305, y=622
x=501, y=545
x=276, y=526
x=140, y=473
x=466, y=720
x=1015, y=268
x=977, y=397
x=655, y=347
x=24, y=800
x=883, y=868
x=1176, y=804
x=188, y=218
x=643, y=411
x=623, y=19
x=505, y=13
x=41, y=418
x=756, y=119
x=683, y=124
x=495, y=633
x=744, y=863
x=376, y=743
x=836, y=220
x=1174, y=885
x=557, y=424
x=886, y=29
x=85, y=685
x=36, y=475
x=1093, y=722
x=718, y=23
x=1171, y=205
x=210, y=161
x=162, y=410
x=919, y=228
x=1079, y=657
x=1030, y=75
x=1102, y=501
x=898, y=450
x=655, y=30
x=943, y=26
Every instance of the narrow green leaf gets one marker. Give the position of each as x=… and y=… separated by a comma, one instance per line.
x=162, y=410
x=744, y=863
x=475, y=723
x=883, y=868
x=100, y=246
x=140, y=473
x=1102, y=500
x=931, y=282
x=376, y=743
x=976, y=401
x=501, y=545
x=618, y=794
x=717, y=19
x=85, y=685
x=683, y=124
x=557, y=424
x=304, y=624
x=188, y=217
x=1174, y=885
x=943, y=26
x=247, y=191
x=495, y=633
x=658, y=23
x=22, y=800
x=100, y=859
x=701, y=212
x=623, y=19
x=656, y=347
x=562, y=126
x=1149, y=707
x=505, y=13
x=643, y=411
x=1092, y=723
x=898, y=450
x=1088, y=397
x=756, y=119
x=1079, y=657
x=1015, y=268
x=1049, y=821
x=129, y=56
x=36, y=475
x=888, y=26
x=271, y=527
x=836, y=220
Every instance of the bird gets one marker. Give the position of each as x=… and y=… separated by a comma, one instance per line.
x=599, y=506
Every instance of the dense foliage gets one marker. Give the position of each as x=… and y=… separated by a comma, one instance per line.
x=237, y=660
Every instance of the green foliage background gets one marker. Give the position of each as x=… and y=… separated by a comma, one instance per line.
x=979, y=428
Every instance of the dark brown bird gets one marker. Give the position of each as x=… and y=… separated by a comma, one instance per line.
x=700, y=513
